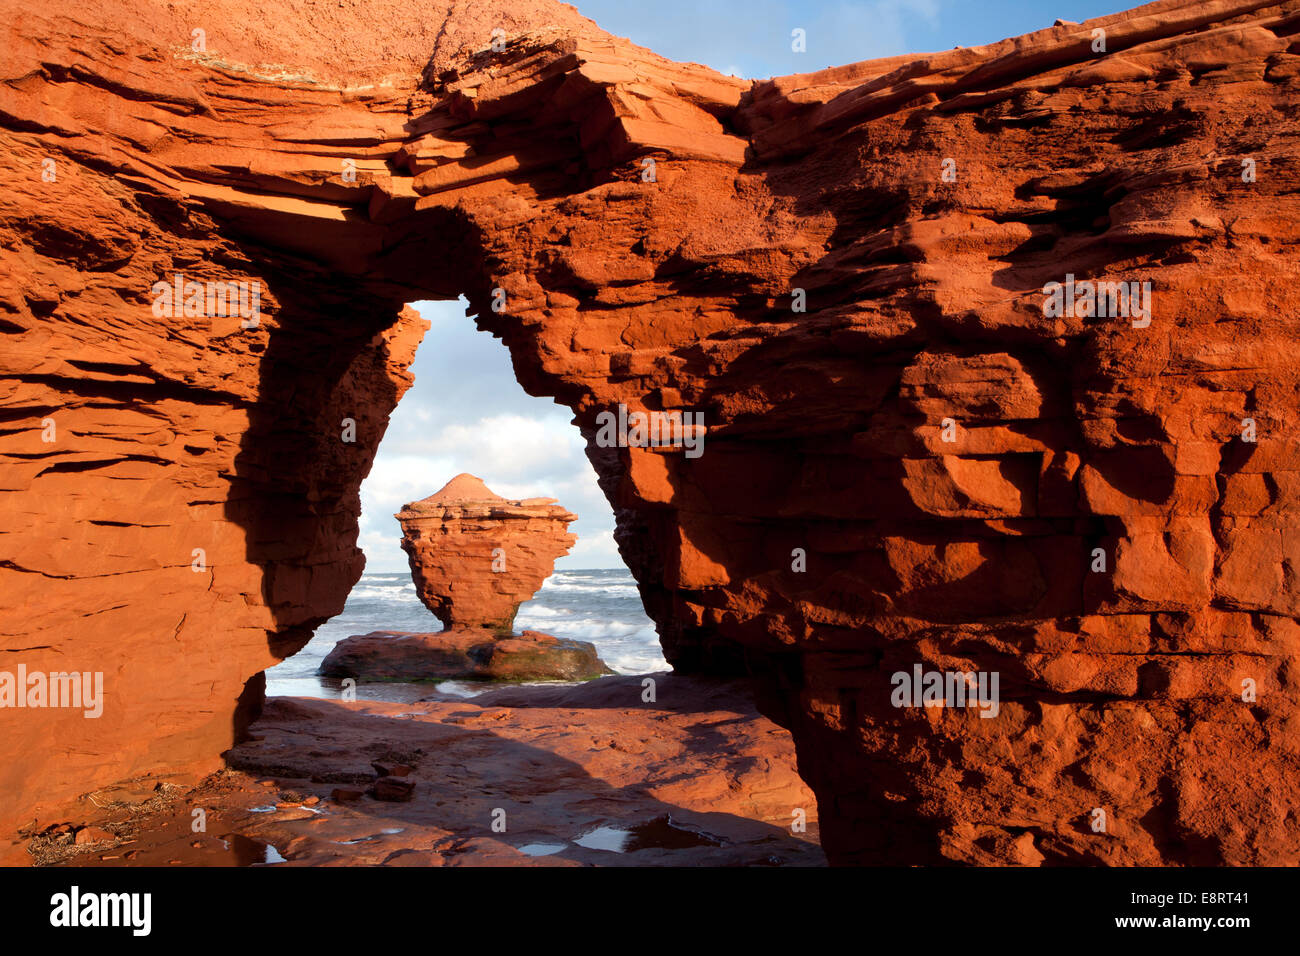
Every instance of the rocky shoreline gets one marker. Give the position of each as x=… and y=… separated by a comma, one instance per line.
x=475, y=557
x=566, y=775
x=462, y=655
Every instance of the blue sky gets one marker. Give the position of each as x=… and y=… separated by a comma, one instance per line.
x=752, y=38
x=466, y=412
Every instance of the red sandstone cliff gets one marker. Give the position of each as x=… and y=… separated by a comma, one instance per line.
x=830, y=535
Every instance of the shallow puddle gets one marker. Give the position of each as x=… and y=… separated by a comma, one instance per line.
x=661, y=833
x=541, y=849
x=371, y=838
x=178, y=849
x=249, y=852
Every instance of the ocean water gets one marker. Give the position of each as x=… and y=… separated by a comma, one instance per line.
x=600, y=605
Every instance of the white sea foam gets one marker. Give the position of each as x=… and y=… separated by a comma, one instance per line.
x=603, y=607
x=611, y=589
x=383, y=592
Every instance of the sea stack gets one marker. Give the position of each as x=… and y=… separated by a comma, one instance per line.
x=475, y=557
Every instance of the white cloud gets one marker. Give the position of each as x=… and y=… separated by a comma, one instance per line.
x=466, y=413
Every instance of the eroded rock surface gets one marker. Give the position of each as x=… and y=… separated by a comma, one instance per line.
x=475, y=556
x=830, y=535
x=591, y=775
x=463, y=655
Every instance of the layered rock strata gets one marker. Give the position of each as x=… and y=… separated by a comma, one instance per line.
x=589, y=776
x=913, y=455
x=475, y=556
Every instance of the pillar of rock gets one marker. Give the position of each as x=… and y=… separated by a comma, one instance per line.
x=475, y=556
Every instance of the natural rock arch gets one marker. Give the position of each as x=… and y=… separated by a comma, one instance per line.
x=521, y=169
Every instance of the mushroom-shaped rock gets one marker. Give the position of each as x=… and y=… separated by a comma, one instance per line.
x=476, y=556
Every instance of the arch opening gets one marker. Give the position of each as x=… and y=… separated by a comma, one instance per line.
x=465, y=413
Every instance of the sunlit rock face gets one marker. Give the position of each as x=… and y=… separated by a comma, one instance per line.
x=919, y=450
x=475, y=556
